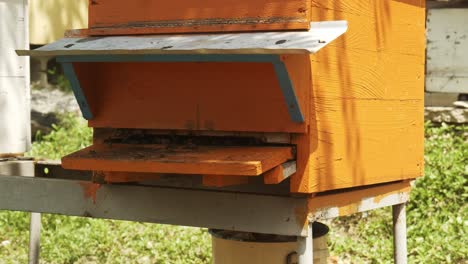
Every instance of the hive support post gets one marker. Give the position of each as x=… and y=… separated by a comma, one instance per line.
x=34, y=238
x=399, y=234
x=305, y=252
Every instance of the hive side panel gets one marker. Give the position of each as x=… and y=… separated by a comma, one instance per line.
x=366, y=119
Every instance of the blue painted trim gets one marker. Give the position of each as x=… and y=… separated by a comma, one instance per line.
x=281, y=71
x=69, y=72
x=289, y=94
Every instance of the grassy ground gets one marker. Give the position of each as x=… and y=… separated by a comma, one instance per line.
x=437, y=218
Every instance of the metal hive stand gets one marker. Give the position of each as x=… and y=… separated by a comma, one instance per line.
x=271, y=211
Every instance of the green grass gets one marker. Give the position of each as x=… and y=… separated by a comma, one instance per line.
x=81, y=240
x=70, y=135
x=437, y=217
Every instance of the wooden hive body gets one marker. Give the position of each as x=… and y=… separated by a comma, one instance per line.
x=366, y=119
x=362, y=96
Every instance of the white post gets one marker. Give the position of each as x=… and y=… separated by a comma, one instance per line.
x=15, y=120
x=399, y=234
x=34, y=238
x=305, y=251
x=15, y=124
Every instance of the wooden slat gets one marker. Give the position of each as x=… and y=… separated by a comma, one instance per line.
x=279, y=173
x=101, y=135
x=117, y=17
x=245, y=161
x=289, y=42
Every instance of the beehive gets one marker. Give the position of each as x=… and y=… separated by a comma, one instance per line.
x=360, y=99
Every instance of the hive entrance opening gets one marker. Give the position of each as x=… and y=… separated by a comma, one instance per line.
x=145, y=151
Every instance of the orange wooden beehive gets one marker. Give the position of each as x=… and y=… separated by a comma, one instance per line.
x=356, y=118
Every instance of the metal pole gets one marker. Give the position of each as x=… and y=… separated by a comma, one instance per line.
x=400, y=252
x=34, y=238
x=305, y=251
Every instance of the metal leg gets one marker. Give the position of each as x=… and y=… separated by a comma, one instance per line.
x=34, y=238
x=305, y=251
x=400, y=252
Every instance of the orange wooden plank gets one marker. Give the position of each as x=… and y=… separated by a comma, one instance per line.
x=194, y=96
x=115, y=31
x=117, y=17
x=274, y=176
x=279, y=173
x=244, y=161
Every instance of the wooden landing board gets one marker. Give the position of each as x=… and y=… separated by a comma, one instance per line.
x=123, y=17
x=244, y=161
x=291, y=42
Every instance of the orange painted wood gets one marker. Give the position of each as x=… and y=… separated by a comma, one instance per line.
x=121, y=17
x=362, y=95
x=274, y=176
x=366, y=107
x=243, y=161
x=194, y=96
x=378, y=141
x=390, y=25
x=224, y=180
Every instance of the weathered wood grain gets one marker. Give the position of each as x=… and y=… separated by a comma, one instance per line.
x=290, y=42
x=350, y=201
x=366, y=106
x=117, y=17
x=15, y=128
x=243, y=161
x=361, y=142
x=279, y=173
x=382, y=26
